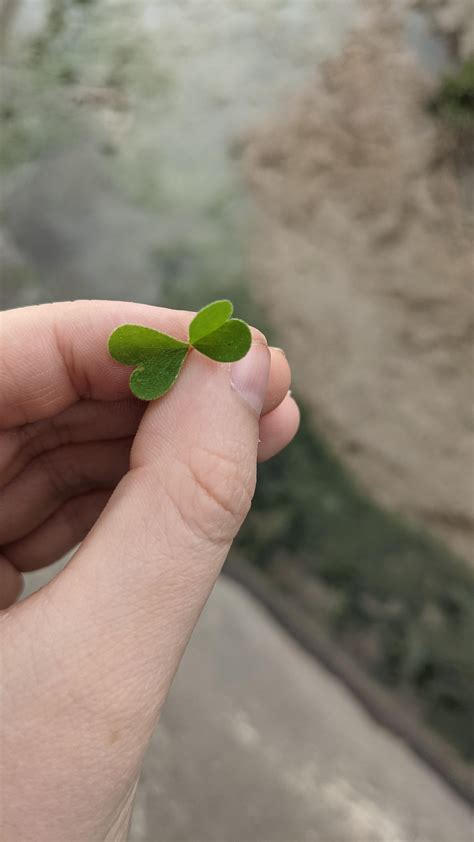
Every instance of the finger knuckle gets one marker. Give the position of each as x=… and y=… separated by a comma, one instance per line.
x=221, y=490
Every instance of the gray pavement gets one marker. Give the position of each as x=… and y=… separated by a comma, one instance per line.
x=258, y=743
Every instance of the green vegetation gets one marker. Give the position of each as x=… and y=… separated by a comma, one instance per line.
x=159, y=357
x=455, y=98
x=387, y=585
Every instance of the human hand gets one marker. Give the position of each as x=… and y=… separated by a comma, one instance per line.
x=158, y=493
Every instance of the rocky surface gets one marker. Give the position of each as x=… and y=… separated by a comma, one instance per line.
x=363, y=259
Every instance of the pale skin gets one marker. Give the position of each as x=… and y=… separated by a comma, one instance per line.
x=156, y=493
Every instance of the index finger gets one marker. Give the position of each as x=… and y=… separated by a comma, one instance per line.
x=53, y=355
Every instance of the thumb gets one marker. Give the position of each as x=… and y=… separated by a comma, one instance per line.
x=122, y=611
x=169, y=526
x=148, y=566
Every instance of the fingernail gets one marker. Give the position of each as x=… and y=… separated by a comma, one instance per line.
x=249, y=376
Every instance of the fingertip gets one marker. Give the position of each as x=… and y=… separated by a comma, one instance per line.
x=278, y=428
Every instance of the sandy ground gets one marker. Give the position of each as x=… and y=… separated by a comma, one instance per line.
x=258, y=743
x=363, y=258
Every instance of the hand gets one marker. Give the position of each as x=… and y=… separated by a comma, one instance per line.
x=156, y=493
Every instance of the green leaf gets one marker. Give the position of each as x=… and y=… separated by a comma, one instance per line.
x=209, y=319
x=153, y=378
x=132, y=344
x=158, y=358
x=228, y=343
x=215, y=334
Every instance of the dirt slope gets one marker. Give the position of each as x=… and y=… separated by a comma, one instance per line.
x=362, y=254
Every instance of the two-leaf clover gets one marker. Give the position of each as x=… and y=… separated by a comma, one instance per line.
x=159, y=358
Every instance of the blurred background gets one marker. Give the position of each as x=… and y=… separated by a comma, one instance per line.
x=313, y=160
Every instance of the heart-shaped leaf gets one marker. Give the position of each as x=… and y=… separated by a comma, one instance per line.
x=215, y=334
x=209, y=319
x=158, y=358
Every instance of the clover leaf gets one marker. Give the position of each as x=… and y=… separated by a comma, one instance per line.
x=215, y=334
x=159, y=358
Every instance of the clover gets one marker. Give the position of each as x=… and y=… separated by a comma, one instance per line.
x=159, y=358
